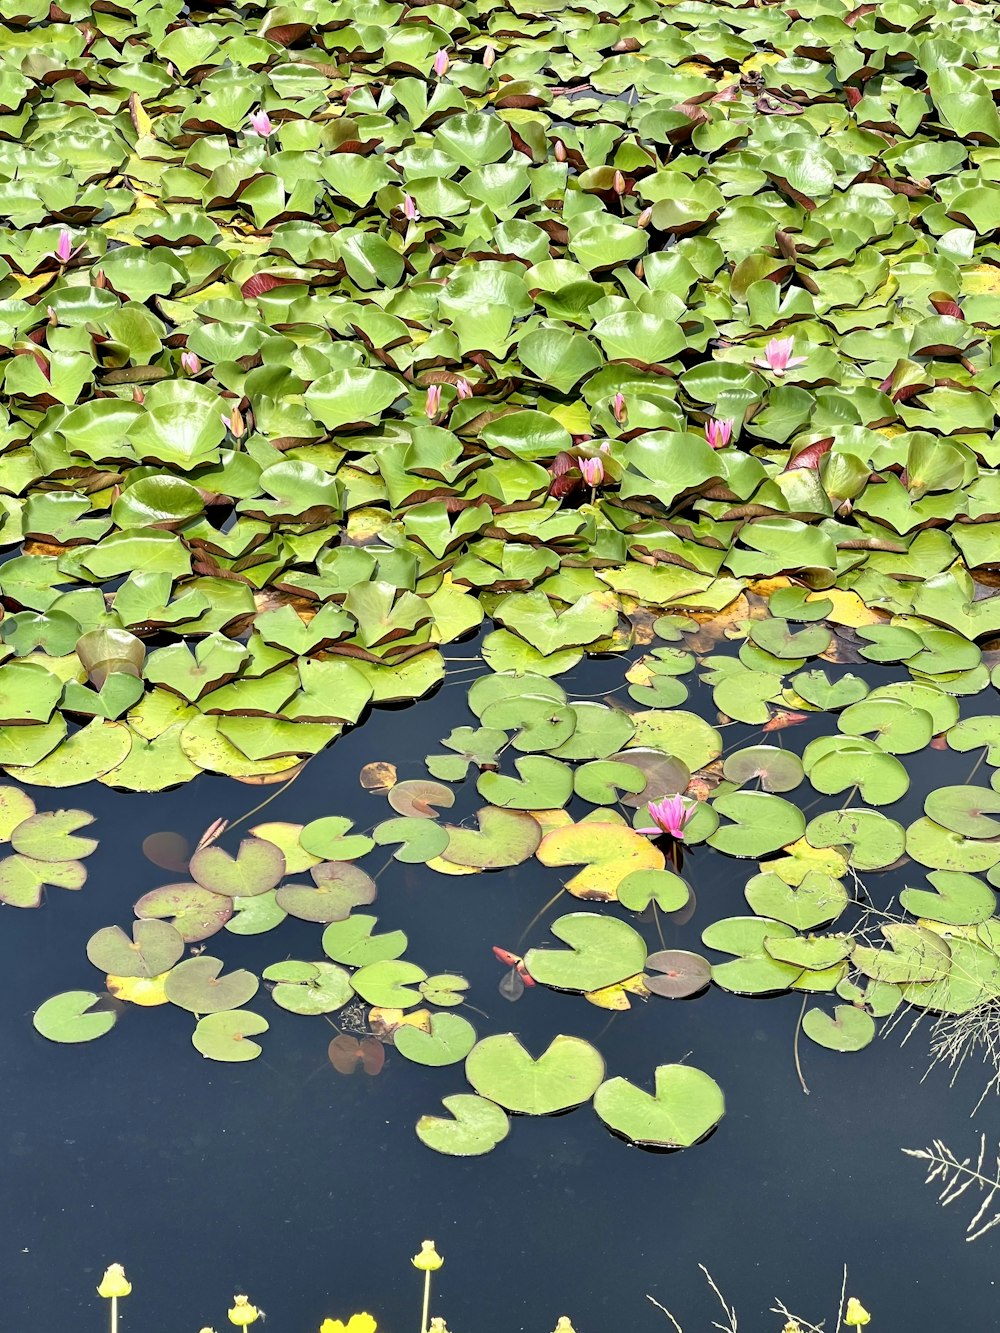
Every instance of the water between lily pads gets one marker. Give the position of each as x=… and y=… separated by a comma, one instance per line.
x=310, y=1191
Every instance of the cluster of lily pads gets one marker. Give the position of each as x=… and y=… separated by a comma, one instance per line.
x=584, y=775
x=327, y=330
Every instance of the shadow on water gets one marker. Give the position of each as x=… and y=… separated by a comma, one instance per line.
x=310, y=1191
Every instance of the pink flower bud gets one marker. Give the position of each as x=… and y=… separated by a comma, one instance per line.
x=559, y=149
x=619, y=408
x=260, y=124
x=433, y=404
x=410, y=210
x=489, y=57
x=593, y=471
x=441, y=63
x=643, y=219
x=619, y=183
x=64, y=247
x=190, y=363
x=234, y=422
x=463, y=388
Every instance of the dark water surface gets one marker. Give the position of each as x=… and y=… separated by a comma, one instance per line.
x=310, y=1191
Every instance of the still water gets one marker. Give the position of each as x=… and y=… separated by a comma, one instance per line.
x=310, y=1191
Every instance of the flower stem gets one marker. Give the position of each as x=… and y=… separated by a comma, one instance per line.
x=427, y=1302
x=114, y=1314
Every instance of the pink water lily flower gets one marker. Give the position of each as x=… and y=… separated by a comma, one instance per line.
x=433, y=404
x=718, y=433
x=778, y=356
x=410, y=210
x=489, y=57
x=619, y=408
x=441, y=63
x=463, y=388
x=592, y=470
x=669, y=816
x=260, y=123
x=64, y=247
x=190, y=363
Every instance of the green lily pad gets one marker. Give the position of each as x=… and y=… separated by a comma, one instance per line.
x=850, y=1028
x=353, y=941
x=476, y=1126
x=389, y=983
x=874, y=840
x=339, y=888
x=957, y=900
x=567, y=1073
x=773, y=768
x=505, y=838
x=51, y=836
x=449, y=1040
x=543, y=784
x=686, y=1106
x=817, y=901
x=257, y=867
x=761, y=824
x=195, y=913
x=753, y=971
x=72, y=1017
x=197, y=984
x=154, y=948
x=321, y=990
x=331, y=840
x=602, y=951
x=965, y=810
x=224, y=1036
x=642, y=887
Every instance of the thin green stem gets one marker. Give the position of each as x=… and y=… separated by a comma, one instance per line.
x=114, y=1314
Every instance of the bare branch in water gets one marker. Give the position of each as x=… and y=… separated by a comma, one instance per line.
x=954, y=1177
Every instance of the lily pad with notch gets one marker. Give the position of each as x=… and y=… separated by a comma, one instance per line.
x=476, y=1126
x=602, y=951
x=340, y=887
x=199, y=985
x=567, y=1073
x=257, y=867
x=686, y=1106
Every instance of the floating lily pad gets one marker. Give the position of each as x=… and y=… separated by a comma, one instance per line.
x=677, y=974
x=642, y=887
x=850, y=1028
x=957, y=900
x=339, y=888
x=347, y=1054
x=774, y=769
x=225, y=1036
x=257, y=867
x=198, y=984
x=761, y=824
x=320, y=990
x=567, y=1073
x=353, y=941
x=601, y=951
x=816, y=901
x=154, y=948
x=73, y=1017
x=389, y=983
x=505, y=838
x=686, y=1106
x=195, y=913
x=609, y=852
x=874, y=840
x=754, y=971
x=475, y=1126
x=449, y=1040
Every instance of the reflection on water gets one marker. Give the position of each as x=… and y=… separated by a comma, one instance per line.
x=310, y=1191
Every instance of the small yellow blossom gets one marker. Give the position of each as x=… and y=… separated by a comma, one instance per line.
x=792, y=1327
x=243, y=1313
x=857, y=1316
x=358, y=1323
x=428, y=1260
x=564, y=1325
x=437, y=1325
x=114, y=1282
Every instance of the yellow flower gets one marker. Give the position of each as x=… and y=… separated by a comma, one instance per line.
x=437, y=1325
x=358, y=1323
x=857, y=1316
x=428, y=1260
x=792, y=1327
x=243, y=1312
x=564, y=1325
x=114, y=1282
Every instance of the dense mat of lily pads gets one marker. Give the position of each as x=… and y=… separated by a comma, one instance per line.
x=329, y=332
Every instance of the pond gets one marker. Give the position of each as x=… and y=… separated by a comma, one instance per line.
x=499, y=647
x=309, y=1189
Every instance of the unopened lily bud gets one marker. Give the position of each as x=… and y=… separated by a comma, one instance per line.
x=559, y=148
x=441, y=63
x=619, y=183
x=137, y=394
x=190, y=363
x=619, y=408
x=463, y=388
x=433, y=403
x=643, y=219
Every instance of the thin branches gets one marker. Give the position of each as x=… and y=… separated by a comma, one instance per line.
x=956, y=1037
x=955, y=1177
